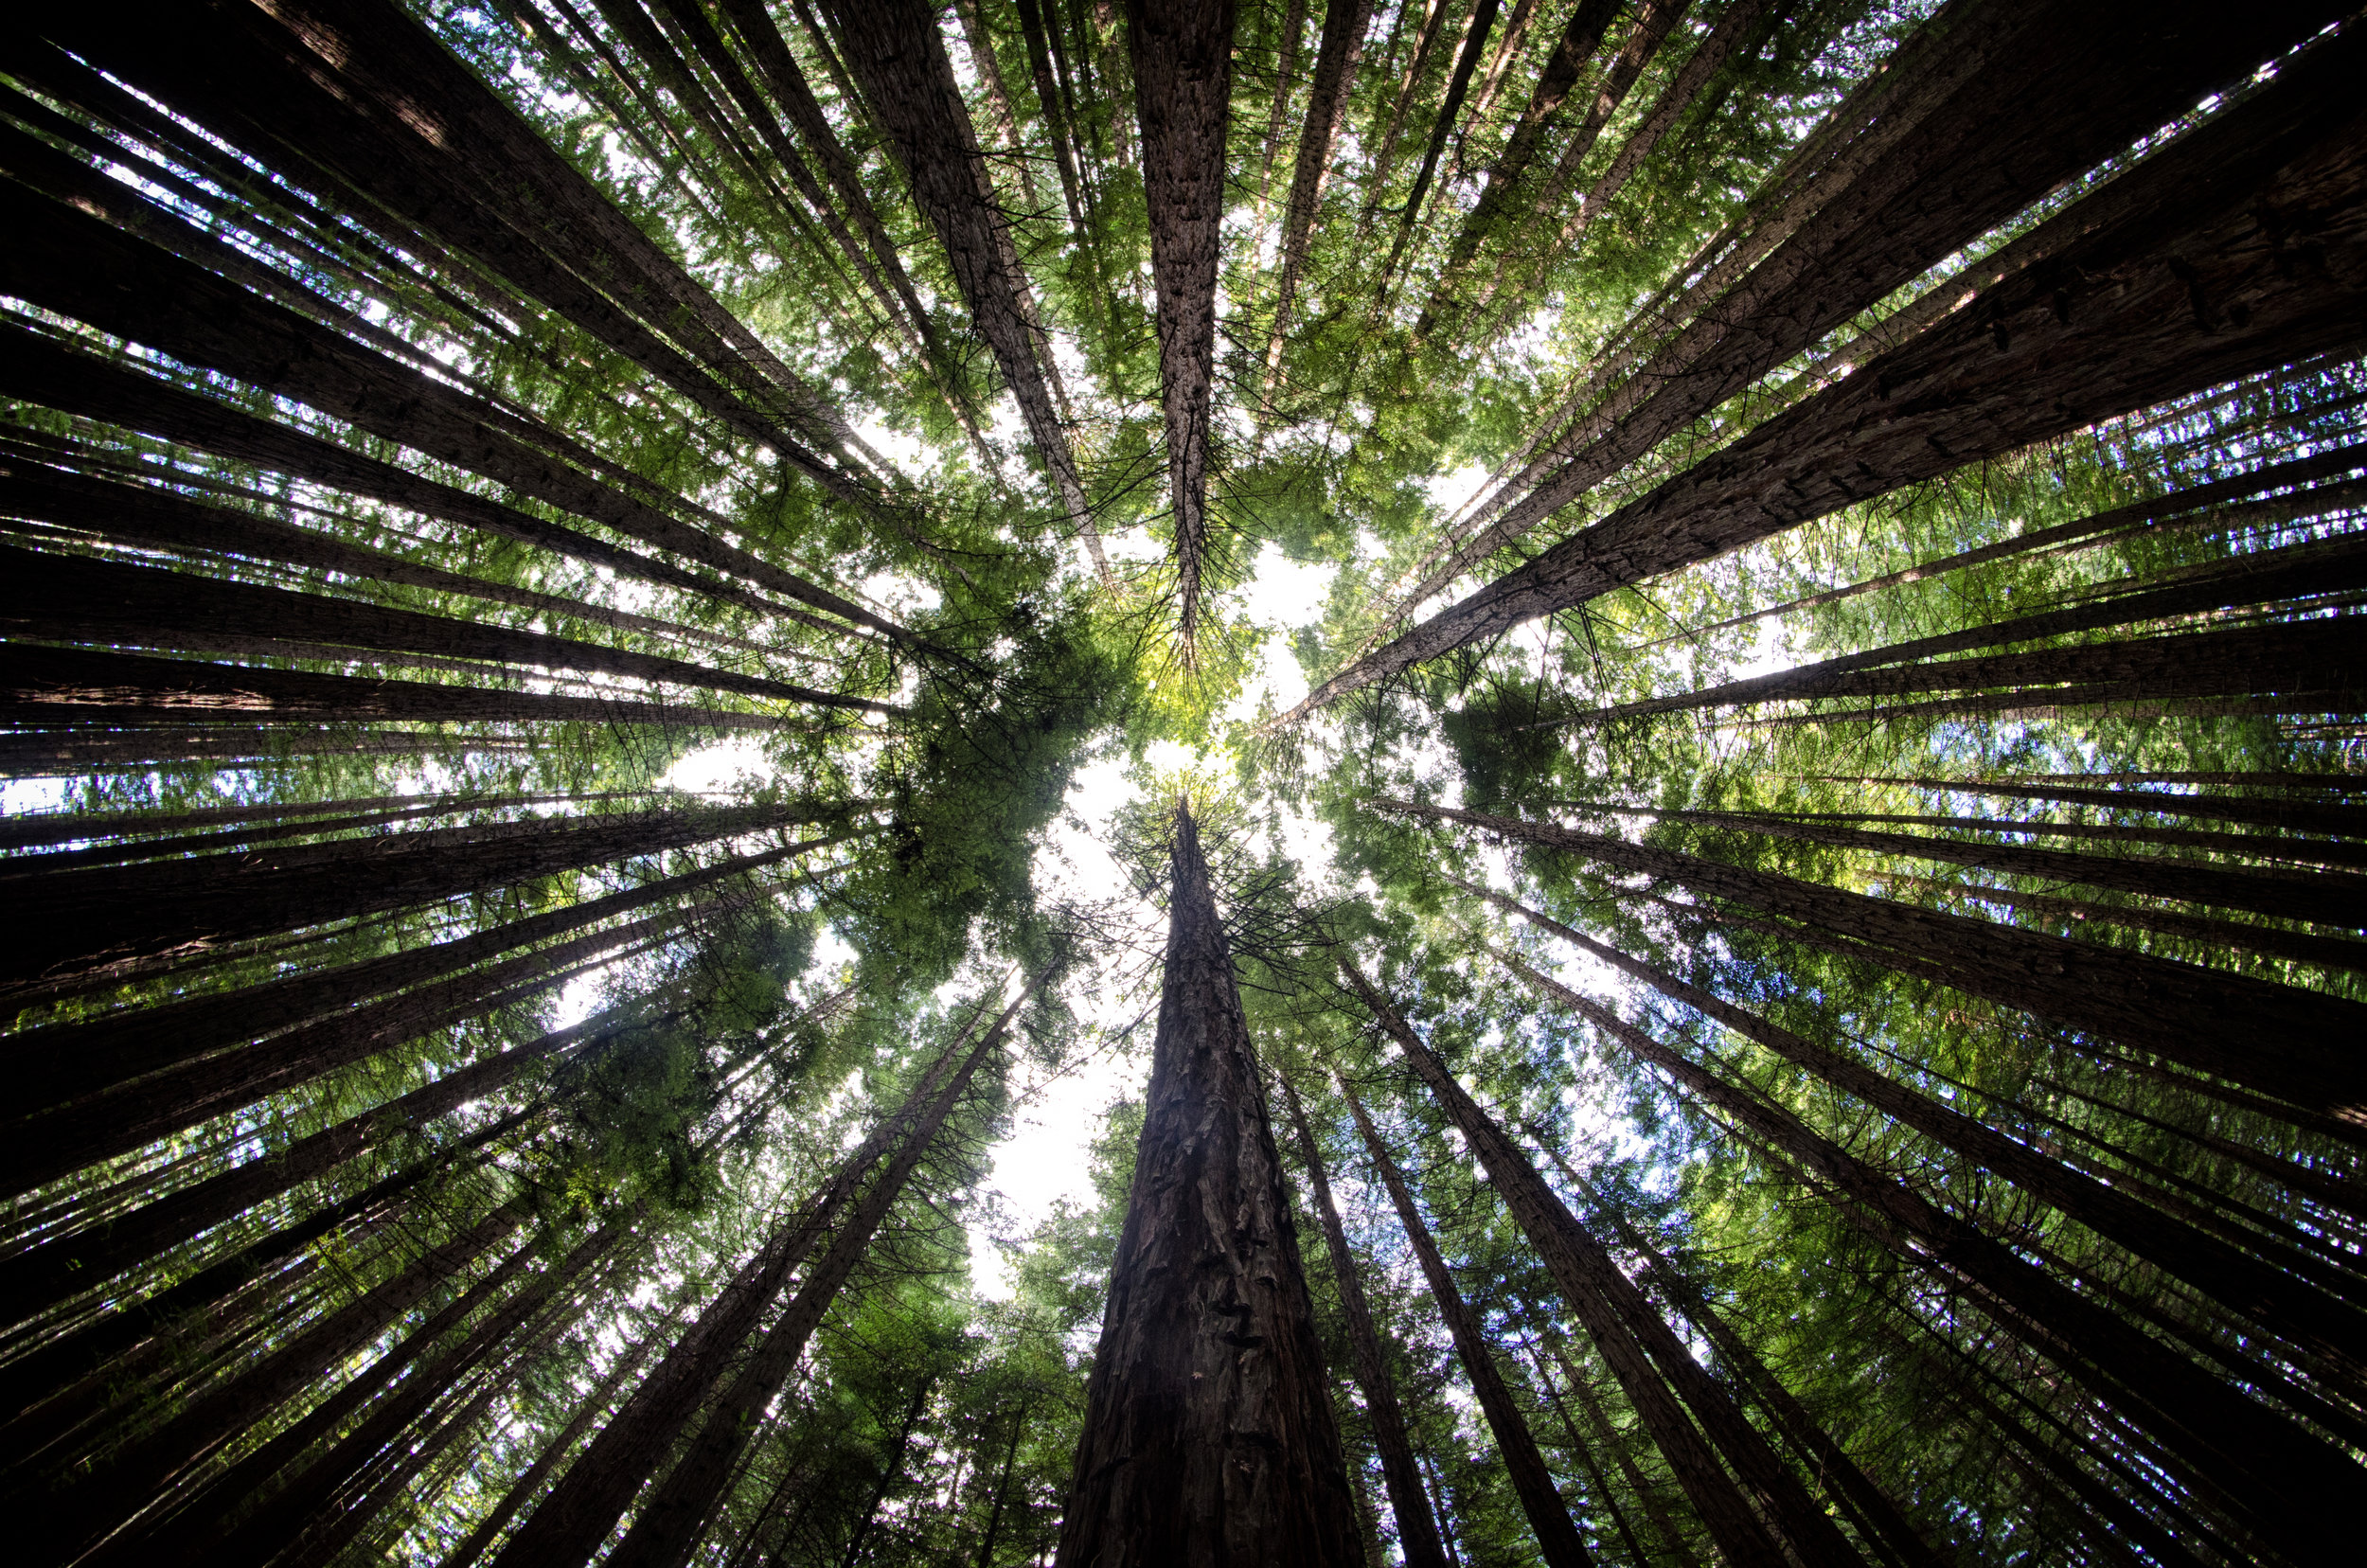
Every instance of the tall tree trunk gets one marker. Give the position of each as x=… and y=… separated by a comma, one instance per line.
x=1458, y=83
x=889, y=1474
x=40, y=372
x=1056, y=114
x=111, y=911
x=1635, y=1341
x=104, y=1497
x=1418, y=1533
x=1209, y=1424
x=898, y=54
x=1183, y=58
x=1671, y=1533
x=2036, y=357
x=1579, y=39
x=2272, y=1288
x=1558, y=1537
x=1582, y=1453
x=583, y=1509
x=1002, y=1492
x=999, y=104
x=1292, y=26
x=2275, y=1474
x=2201, y=1018
x=529, y=1482
x=72, y=597
x=63, y=1061
x=1345, y=26
x=666, y=1532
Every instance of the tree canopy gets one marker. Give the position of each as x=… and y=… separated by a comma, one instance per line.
x=1636, y=719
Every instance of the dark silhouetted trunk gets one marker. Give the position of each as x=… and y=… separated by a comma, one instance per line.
x=106, y=913
x=999, y=104
x=1579, y=41
x=665, y=1531
x=1637, y=1344
x=1344, y=25
x=2273, y=1473
x=1458, y=83
x=1557, y=1539
x=1582, y=1453
x=889, y=1474
x=1418, y=1533
x=77, y=598
x=2273, y=1288
x=1051, y=98
x=2110, y=323
x=583, y=1509
x=66, y=1060
x=114, y=1491
x=41, y=371
x=1672, y=1534
x=1209, y=1424
x=1286, y=69
x=1183, y=58
x=2203, y=1017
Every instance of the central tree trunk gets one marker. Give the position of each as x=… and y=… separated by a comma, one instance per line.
x=1209, y=1435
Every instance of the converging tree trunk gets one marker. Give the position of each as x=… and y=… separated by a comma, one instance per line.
x=1208, y=1428
x=1183, y=56
x=1417, y=1532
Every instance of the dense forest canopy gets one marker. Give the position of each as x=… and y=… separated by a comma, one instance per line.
x=1455, y=781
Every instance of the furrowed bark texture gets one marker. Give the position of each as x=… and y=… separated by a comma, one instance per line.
x=1418, y=1533
x=2271, y=1037
x=898, y=54
x=1557, y=1539
x=1183, y=58
x=1637, y=1344
x=2276, y=1476
x=2237, y=249
x=1208, y=1433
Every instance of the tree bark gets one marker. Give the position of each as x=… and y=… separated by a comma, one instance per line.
x=1636, y=1343
x=111, y=911
x=78, y=599
x=1671, y=1533
x=1580, y=40
x=1208, y=1429
x=2107, y=323
x=79, y=266
x=1583, y=1454
x=2273, y=1473
x=1345, y=26
x=2201, y=1018
x=896, y=51
x=999, y=104
x=1459, y=82
x=1292, y=26
x=62, y=1062
x=107, y=1495
x=583, y=1509
x=666, y=1532
x=2270, y=1285
x=1056, y=116
x=1558, y=1537
x=1418, y=1533
x=41, y=371
x=1183, y=58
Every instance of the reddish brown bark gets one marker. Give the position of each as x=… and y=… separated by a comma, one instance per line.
x=1208, y=1428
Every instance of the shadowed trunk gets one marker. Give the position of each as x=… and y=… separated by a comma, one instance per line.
x=1208, y=1429
x=2109, y=323
x=2275, y=1474
x=583, y=1509
x=666, y=1532
x=1638, y=1344
x=1344, y=25
x=1458, y=83
x=1418, y=1533
x=1557, y=1539
x=1183, y=58
x=2219, y=1023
